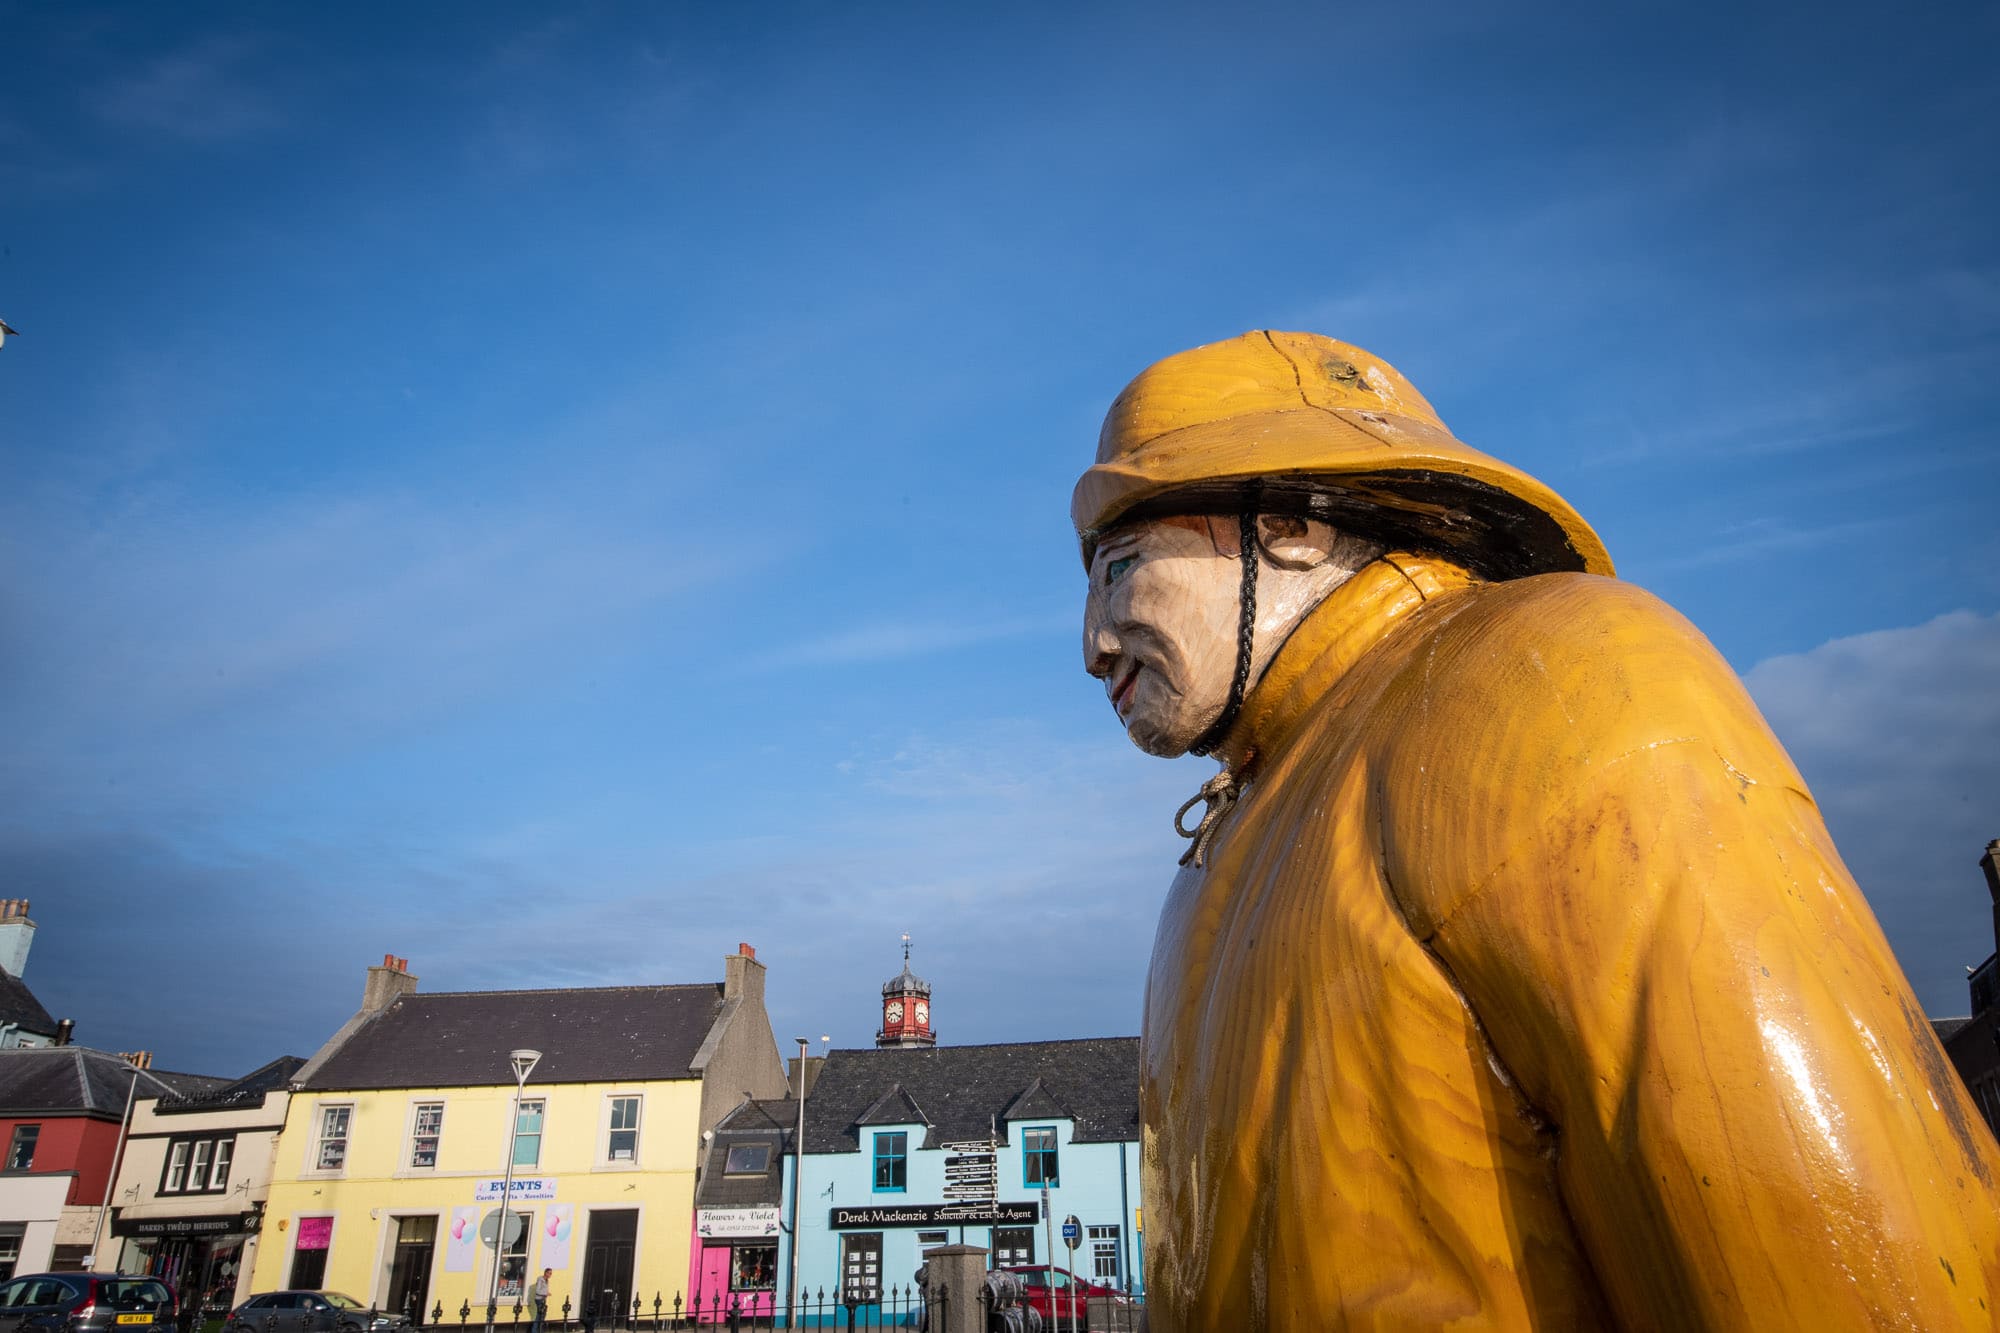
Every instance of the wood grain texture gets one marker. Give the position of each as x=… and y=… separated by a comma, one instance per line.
x=1525, y=989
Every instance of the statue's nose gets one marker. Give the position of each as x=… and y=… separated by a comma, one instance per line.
x=1100, y=645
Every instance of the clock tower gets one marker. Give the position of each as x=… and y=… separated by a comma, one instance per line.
x=906, y=1008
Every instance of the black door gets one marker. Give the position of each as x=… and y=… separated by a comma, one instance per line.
x=410, y=1270
x=607, y=1263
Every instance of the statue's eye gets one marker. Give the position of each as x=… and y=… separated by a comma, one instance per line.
x=1116, y=569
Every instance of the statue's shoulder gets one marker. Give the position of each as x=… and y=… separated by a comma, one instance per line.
x=1548, y=699
x=1555, y=640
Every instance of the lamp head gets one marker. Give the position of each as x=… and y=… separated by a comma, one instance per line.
x=524, y=1062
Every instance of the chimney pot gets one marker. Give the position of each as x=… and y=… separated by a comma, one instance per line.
x=746, y=950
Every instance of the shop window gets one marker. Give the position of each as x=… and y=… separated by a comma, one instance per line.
x=1038, y=1156
x=528, y=1134
x=426, y=1128
x=68, y=1258
x=1013, y=1245
x=747, y=1159
x=623, y=1143
x=514, y=1262
x=10, y=1248
x=753, y=1268
x=21, y=1153
x=892, y=1163
x=1104, y=1255
x=861, y=1267
x=332, y=1153
x=198, y=1166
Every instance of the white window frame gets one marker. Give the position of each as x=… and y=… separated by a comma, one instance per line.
x=417, y=1135
x=323, y=1114
x=1105, y=1248
x=612, y=1100
x=514, y=1113
x=197, y=1164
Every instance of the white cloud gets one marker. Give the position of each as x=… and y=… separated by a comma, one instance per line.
x=887, y=640
x=1898, y=734
x=201, y=92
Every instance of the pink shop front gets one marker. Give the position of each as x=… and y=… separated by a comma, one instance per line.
x=734, y=1263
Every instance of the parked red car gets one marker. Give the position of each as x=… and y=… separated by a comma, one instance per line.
x=1068, y=1300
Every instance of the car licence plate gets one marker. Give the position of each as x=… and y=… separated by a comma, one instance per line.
x=135, y=1319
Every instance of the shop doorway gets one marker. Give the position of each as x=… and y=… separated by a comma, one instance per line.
x=410, y=1267
x=607, y=1264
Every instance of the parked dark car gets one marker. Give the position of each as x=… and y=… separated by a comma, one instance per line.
x=1068, y=1303
x=86, y=1303
x=309, y=1312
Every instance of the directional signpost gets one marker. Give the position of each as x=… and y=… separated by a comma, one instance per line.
x=972, y=1170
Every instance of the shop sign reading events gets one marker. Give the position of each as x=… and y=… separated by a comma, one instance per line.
x=716, y=1223
x=936, y=1214
x=525, y=1187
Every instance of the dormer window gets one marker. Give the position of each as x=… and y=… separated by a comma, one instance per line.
x=747, y=1159
x=1038, y=1156
x=892, y=1163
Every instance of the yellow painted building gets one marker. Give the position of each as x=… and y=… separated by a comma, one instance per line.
x=395, y=1151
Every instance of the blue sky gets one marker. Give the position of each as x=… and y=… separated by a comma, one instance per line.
x=552, y=493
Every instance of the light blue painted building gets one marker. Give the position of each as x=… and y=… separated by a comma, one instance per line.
x=901, y=1142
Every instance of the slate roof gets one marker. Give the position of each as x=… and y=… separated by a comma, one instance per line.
x=766, y=1122
x=461, y=1039
x=19, y=1006
x=962, y=1090
x=46, y=1080
x=245, y=1092
x=1944, y=1027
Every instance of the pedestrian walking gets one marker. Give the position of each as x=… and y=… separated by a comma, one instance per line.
x=541, y=1297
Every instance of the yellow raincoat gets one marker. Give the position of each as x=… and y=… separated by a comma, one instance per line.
x=1524, y=988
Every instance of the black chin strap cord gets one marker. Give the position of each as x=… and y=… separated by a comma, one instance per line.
x=1246, y=630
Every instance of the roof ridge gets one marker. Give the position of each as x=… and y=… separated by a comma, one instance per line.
x=975, y=1046
x=561, y=990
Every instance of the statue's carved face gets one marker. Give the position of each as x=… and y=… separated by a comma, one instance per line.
x=1161, y=618
x=1159, y=628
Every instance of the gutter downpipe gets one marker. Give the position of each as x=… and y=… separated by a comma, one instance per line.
x=1125, y=1231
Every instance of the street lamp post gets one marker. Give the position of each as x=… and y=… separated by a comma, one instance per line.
x=524, y=1062
x=798, y=1183
x=117, y=1160
x=799, y=1178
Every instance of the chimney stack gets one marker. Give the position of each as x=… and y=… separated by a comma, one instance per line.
x=387, y=984
x=1990, y=863
x=65, y=1030
x=743, y=976
x=17, y=932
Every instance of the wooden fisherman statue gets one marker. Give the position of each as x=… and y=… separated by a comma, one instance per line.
x=1510, y=979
